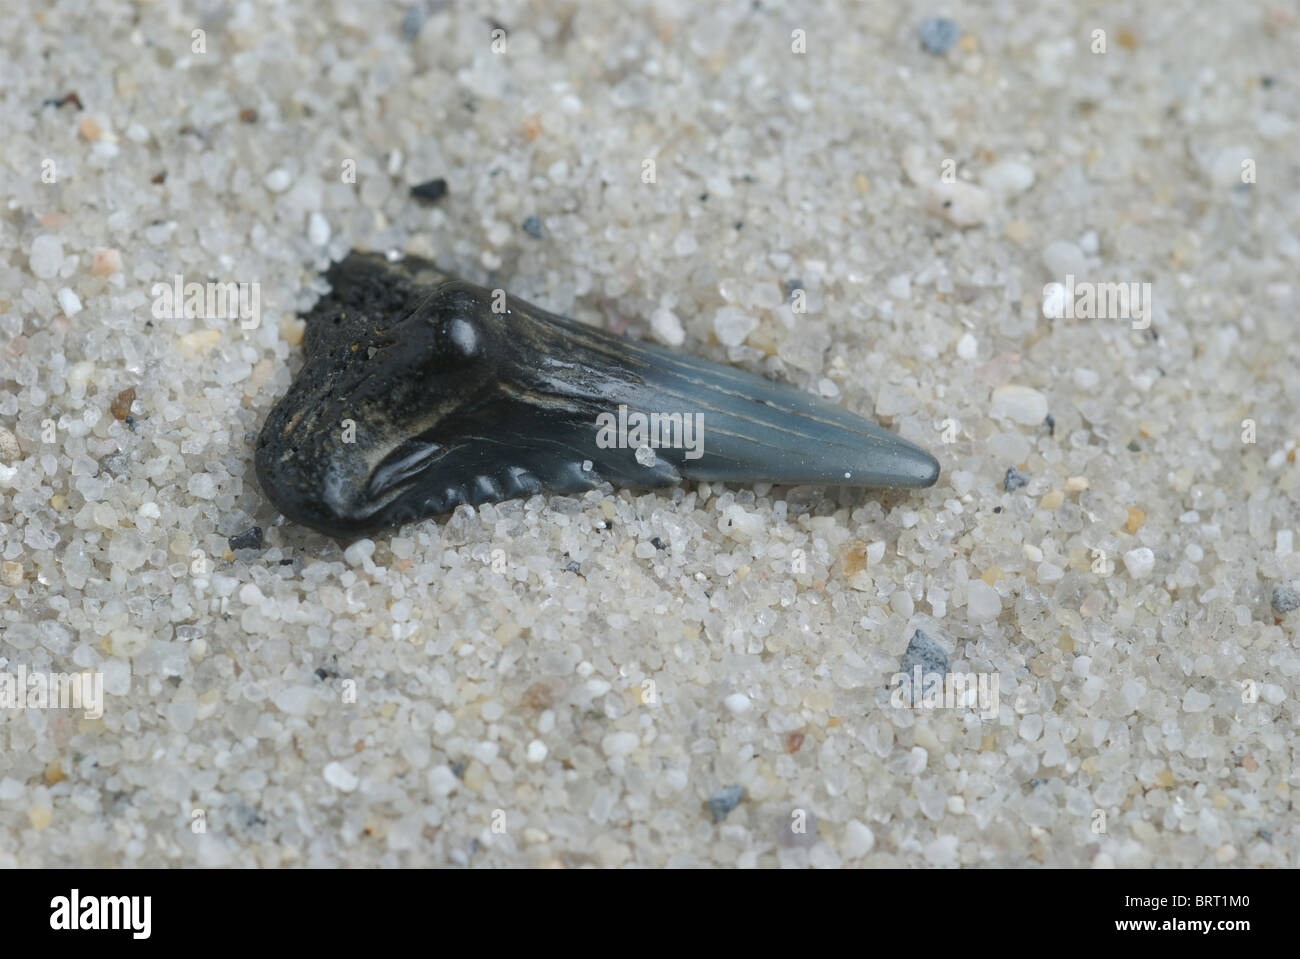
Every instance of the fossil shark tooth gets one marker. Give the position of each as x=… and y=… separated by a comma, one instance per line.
x=421, y=392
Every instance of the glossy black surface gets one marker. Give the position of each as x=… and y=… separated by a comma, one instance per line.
x=417, y=396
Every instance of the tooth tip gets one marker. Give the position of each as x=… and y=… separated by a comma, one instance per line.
x=916, y=468
x=928, y=470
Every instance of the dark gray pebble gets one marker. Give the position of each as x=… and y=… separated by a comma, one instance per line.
x=250, y=538
x=430, y=191
x=115, y=464
x=533, y=227
x=725, y=800
x=938, y=34
x=1285, y=599
x=925, y=652
x=412, y=21
x=1014, y=480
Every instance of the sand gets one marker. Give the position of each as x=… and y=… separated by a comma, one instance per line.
x=934, y=238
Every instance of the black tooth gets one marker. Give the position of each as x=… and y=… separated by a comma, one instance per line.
x=453, y=402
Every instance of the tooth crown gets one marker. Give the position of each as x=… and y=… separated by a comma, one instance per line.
x=421, y=392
